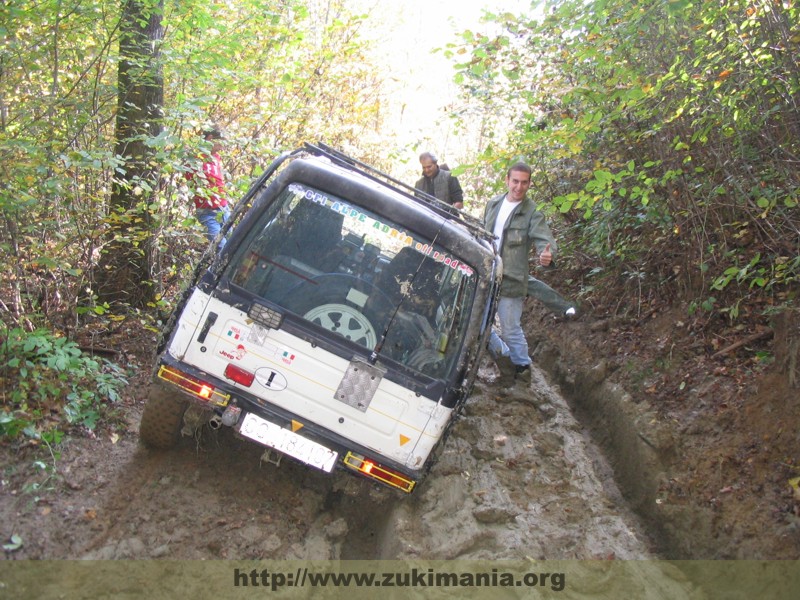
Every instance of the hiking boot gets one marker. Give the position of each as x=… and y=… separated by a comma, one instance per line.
x=507, y=371
x=522, y=374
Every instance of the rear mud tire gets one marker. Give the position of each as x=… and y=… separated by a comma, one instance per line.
x=162, y=419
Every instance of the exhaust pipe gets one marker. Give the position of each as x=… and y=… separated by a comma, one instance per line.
x=215, y=422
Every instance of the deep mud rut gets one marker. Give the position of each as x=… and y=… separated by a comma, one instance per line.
x=517, y=478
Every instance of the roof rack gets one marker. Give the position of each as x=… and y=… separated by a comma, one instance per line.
x=441, y=208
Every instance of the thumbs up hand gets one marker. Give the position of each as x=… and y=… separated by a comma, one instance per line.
x=546, y=256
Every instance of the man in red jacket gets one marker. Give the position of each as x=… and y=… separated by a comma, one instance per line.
x=211, y=204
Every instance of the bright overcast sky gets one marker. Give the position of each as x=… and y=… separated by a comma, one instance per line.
x=406, y=33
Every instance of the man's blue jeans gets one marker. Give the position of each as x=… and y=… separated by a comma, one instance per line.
x=213, y=219
x=510, y=339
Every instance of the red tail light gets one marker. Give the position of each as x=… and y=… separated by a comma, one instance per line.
x=196, y=387
x=377, y=471
x=239, y=375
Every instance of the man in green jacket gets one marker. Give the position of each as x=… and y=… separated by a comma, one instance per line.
x=514, y=220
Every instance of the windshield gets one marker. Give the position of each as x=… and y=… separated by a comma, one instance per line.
x=360, y=276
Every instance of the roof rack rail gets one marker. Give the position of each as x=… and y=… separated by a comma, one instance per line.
x=441, y=208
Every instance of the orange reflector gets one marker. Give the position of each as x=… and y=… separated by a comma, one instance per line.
x=404, y=439
x=200, y=389
x=296, y=425
x=374, y=470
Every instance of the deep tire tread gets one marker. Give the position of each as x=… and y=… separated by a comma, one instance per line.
x=162, y=419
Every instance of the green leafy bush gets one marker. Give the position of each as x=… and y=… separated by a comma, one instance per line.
x=665, y=133
x=47, y=383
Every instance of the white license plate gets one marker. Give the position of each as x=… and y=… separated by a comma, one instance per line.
x=288, y=442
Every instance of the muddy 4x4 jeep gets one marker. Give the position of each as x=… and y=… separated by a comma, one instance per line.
x=342, y=323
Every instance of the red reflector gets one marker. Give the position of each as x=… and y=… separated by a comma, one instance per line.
x=239, y=375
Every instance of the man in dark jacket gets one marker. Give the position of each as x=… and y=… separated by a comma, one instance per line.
x=439, y=182
x=513, y=218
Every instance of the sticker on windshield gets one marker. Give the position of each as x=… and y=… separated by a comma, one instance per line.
x=443, y=257
x=365, y=224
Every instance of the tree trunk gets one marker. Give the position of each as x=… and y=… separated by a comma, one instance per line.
x=124, y=271
x=787, y=345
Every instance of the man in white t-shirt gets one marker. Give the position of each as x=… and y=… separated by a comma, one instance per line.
x=518, y=226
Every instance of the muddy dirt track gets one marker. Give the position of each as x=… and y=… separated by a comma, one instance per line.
x=517, y=478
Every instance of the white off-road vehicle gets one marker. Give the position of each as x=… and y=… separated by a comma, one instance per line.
x=342, y=323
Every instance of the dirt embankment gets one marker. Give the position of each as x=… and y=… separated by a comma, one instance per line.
x=702, y=437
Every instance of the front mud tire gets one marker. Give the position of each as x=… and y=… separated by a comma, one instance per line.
x=162, y=419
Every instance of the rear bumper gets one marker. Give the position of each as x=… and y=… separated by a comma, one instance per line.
x=217, y=396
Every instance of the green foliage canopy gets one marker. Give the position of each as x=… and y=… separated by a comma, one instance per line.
x=667, y=133
x=271, y=74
